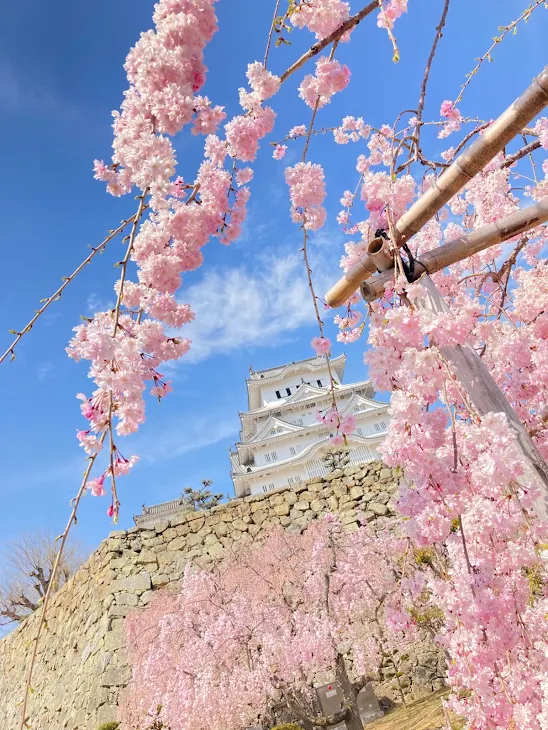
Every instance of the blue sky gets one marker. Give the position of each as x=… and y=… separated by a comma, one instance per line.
x=60, y=76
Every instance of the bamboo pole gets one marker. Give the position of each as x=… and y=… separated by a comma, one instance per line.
x=463, y=169
x=464, y=246
x=487, y=397
x=473, y=160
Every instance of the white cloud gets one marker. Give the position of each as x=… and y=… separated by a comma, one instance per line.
x=244, y=307
x=18, y=94
x=180, y=438
x=45, y=370
x=96, y=304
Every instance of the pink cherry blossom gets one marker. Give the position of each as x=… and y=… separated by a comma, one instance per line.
x=307, y=192
x=321, y=345
x=279, y=151
x=330, y=77
x=298, y=131
x=240, y=636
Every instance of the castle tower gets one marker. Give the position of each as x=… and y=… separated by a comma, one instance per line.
x=281, y=440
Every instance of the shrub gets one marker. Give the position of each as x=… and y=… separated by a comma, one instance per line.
x=109, y=726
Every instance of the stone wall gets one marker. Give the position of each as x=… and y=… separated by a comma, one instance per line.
x=82, y=663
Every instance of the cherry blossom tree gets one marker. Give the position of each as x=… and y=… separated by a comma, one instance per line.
x=248, y=638
x=466, y=483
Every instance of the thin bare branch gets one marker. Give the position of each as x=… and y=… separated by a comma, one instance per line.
x=523, y=152
x=136, y=219
x=331, y=38
x=42, y=620
x=498, y=39
x=271, y=31
x=66, y=281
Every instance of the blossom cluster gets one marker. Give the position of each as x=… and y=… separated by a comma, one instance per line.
x=307, y=192
x=265, y=621
x=330, y=77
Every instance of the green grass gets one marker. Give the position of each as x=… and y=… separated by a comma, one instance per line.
x=425, y=714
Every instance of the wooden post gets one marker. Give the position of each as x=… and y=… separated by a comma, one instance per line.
x=473, y=160
x=464, y=246
x=454, y=178
x=487, y=397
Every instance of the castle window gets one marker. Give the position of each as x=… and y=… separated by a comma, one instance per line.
x=383, y=424
x=290, y=480
x=278, y=394
x=271, y=486
x=319, y=383
x=297, y=479
x=292, y=450
x=274, y=456
x=377, y=427
x=288, y=391
x=267, y=456
x=359, y=432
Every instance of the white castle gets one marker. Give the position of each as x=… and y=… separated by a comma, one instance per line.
x=281, y=440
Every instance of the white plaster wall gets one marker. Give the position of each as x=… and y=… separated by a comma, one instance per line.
x=268, y=393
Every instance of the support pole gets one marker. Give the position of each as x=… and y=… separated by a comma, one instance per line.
x=464, y=246
x=473, y=160
x=454, y=178
x=487, y=397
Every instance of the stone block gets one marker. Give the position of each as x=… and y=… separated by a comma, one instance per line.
x=127, y=599
x=281, y=509
x=239, y=524
x=79, y=720
x=119, y=611
x=259, y=517
x=115, y=639
x=378, y=509
x=106, y=713
x=290, y=498
x=145, y=598
x=177, y=544
x=315, y=487
x=220, y=529
x=302, y=505
x=195, y=523
x=132, y=584
x=318, y=505
x=333, y=503
x=356, y=492
x=162, y=526
x=179, y=520
x=146, y=557
x=215, y=551
x=118, y=677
